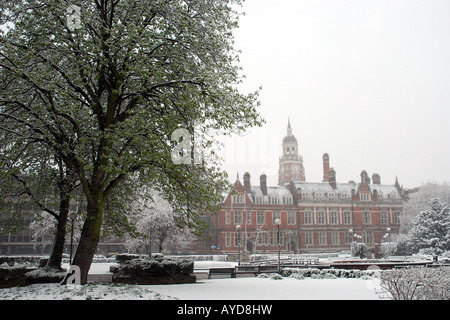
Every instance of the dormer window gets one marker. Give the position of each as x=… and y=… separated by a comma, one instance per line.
x=364, y=197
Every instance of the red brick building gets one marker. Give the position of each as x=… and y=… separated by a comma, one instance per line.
x=315, y=216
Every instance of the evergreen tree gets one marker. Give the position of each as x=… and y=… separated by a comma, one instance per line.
x=431, y=229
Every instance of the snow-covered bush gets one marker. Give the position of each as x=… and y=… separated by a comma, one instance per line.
x=276, y=276
x=328, y=273
x=417, y=283
x=11, y=276
x=262, y=276
x=45, y=275
x=157, y=266
x=359, y=249
x=388, y=249
x=297, y=276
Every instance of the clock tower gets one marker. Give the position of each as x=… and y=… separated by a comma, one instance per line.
x=291, y=163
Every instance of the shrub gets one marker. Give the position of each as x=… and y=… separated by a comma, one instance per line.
x=276, y=276
x=417, y=283
x=12, y=276
x=297, y=276
x=157, y=266
x=45, y=275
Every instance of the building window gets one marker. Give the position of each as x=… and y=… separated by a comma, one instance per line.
x=275, y=216
x=397, y=217
x=287, y=200
x=322, y=238
x=334, y=217
x=238, y=217
x=259, y=238
x=348, y=237
x=347, y=217
x=368, y=236
x=237, y=239
x=227, y=217
x=291, y=218
x=258, y=199
x=366, y=217
x=227, y=239
x=321, y=217
x=238, y=198
x=309, y=238
x=364, y=197
x=248, y=216
x=273, y=236
x=260, y=217
x=384, y=217
x=273, y=199
x=308, y=217
x=335, y=237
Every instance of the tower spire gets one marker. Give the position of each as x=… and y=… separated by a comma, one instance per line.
x=289, y=129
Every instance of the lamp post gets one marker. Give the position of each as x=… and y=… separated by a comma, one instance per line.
x=388, y=230
x=238, y=228
x=72, y=217
x=278, y=222
x=351, y=244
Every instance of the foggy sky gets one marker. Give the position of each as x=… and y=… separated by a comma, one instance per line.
x=367, y=82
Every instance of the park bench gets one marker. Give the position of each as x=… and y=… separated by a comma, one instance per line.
x=230, y=271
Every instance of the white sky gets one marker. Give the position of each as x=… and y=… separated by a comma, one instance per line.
x=368, y=82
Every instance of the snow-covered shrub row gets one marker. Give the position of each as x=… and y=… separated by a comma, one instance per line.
x=45, y=275
x=24, y=260
x=11, y=276
x=417, y=283
x=327, y=273
x=158, y=265
x=273, y=276
x=204, y=257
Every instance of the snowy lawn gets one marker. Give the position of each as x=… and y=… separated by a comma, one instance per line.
x=269, y=289
x=241, y=288
x=212, y=289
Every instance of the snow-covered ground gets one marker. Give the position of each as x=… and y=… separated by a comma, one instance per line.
x=245, y=288
x=212, y=289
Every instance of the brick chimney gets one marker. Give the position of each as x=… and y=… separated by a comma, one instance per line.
x=247, y=186
x=332, y=178
x=365, y=178
x=326, y=166
x=376, y=179
x=263, y=183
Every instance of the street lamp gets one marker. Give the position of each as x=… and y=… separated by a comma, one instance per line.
x=351, y=244
x=278, y=222
x=238, y=228
x=72, y=216
x=388, y=230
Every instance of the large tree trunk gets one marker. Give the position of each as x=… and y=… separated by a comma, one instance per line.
x=55, y=258
x=90, y=236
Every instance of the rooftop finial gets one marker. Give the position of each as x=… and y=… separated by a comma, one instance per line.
x=289, y=129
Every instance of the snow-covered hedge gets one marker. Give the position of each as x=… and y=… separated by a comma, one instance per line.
x=29, y=261
x=11, y=276
x=138, y=266
x=45, y=275
x=203, y=257
x=327, y=273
